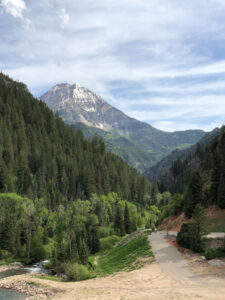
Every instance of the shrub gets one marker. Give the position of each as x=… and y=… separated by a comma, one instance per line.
x=37, y=249
x=183, y=236
x=188, y=237
x=104, y=231
x=214, y=253
x=5, y=254
x=76, y=272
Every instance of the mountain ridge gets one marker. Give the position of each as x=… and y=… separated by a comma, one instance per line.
x=155, y=172
x=76, y=104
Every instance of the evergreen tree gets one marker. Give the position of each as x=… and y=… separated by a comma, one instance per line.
x=221, y=192
x=201, y=221
x=95, y=242
x=216, y=174
x=119, y=222
x=83, y=252
x=194, y=194
x=127, y=224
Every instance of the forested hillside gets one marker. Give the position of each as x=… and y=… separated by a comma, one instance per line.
x=165, y=170
x=40, y=156
x=60, y=193
x=176, y=176
x=200, y=178
x=119, y=145
x=207, y=185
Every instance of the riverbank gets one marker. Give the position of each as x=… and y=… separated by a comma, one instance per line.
x=12, y=266
x=26, y=285
x=19, y=278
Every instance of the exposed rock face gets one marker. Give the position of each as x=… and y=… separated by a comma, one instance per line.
x=75, y=103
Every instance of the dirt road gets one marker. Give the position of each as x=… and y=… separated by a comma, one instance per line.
x=171, y=260
x=169, y=277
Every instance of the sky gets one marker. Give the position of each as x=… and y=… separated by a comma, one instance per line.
x=159, y=61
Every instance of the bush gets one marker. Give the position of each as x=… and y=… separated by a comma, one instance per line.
x=76, y=272
x=214, y=253
x=188, y=237
x=104, y=231
x=4, y=254
x=37, y=249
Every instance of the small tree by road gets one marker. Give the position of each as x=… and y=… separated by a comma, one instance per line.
x=192, y=233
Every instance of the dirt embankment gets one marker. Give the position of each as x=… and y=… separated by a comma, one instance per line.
x=174, y=223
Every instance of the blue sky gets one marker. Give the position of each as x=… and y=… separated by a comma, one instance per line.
x=159, y=61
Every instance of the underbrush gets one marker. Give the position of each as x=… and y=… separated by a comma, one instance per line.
x=214, y=253
x=75, y=271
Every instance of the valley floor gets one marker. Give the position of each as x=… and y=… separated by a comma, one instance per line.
x=169, y=277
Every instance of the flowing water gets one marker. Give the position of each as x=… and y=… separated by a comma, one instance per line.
x=10, y=295
x=37, y=268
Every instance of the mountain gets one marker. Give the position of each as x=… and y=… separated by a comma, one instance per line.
x=75, y=103
x=154, y=173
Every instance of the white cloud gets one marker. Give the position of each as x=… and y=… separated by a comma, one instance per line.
x=160, y=54
x=64, y=17
x=15, y=8
x=176, y=125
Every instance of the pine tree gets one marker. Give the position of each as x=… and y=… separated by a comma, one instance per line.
x=83, y=252
x=3, y=176
x=118, y=223
x=194, y=194
x=217, y=169
x=95, y=242
x=127, y=224
x=202, y=229
x=221, y=192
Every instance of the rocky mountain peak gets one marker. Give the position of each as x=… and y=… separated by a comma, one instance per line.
x=76, y=103
x=64, y=94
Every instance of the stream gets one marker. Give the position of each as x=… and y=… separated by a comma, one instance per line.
x=37, y=268
x=11, y=295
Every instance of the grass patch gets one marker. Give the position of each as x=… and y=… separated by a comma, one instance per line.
x=48, y=277
x=217, y=224
x=108, y=242
x=33, y=283
x=125, y=257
